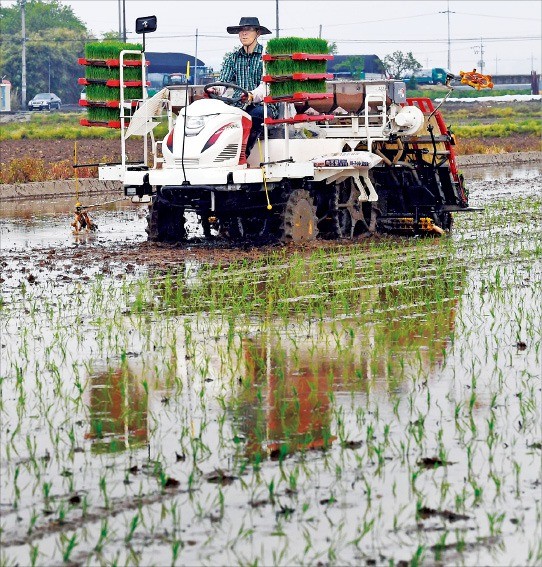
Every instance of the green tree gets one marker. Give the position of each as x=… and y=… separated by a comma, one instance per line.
x=355, y=64
x=397, y=63
x=55, y=38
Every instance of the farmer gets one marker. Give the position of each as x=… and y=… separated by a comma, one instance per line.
x=244, y=67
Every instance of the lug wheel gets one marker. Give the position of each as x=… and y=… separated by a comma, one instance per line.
x=347, y=211
x=299, y=218
x=165, y=222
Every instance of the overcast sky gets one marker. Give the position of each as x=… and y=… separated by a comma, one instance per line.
x=507, y=32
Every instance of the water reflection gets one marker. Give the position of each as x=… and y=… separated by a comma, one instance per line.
x=286, y=406
x=285, y=377
x=294, y=381
x=118, y=411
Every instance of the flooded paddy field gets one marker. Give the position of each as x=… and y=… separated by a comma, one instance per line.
x=368, y=403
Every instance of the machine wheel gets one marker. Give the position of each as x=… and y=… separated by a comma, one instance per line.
x=299, y=217
x=348, y=211
x=165, y=223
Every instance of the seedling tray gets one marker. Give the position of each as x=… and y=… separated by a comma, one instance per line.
x=298, y=57
x=111, y=82
x=299, y=118
x=297, y=77
x=110, y=62
x=297, y=97
x=103, y=103
x=104, y=124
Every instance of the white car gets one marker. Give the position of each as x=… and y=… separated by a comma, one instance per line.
x=44, y=101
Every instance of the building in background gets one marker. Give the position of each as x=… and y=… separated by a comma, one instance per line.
x=5, y=96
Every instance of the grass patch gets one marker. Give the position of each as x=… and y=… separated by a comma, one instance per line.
x=499, y=130
x=57, y=126
x=484, y=113
x=31, y=170
x=440, y=92
x=491, y=145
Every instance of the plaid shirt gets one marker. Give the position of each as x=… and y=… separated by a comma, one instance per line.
x=246, y=70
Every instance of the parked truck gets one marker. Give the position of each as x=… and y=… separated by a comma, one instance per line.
x=357, y=160
x=434, y=76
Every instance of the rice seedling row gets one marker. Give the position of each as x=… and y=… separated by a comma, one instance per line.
x=378, y=403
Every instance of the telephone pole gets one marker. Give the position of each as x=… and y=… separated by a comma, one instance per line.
x=23, y=57
x=277, y=16
x=448, y=12
x=195, y=61
x=481, y=63
x=124, y=21
x=120, y=20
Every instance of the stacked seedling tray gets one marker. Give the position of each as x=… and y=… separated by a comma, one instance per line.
x=103, y=85
x=295, y=69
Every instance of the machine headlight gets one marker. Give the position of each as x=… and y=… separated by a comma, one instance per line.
x=195, y=124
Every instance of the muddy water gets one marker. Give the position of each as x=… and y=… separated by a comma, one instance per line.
x=47, y=224
x=39, y=224
x=374, y=404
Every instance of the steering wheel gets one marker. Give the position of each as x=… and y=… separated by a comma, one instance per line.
x=228, y=100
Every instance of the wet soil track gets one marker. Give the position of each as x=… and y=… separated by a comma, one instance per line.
x=134, y=250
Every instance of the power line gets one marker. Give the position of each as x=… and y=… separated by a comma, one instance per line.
x=493, y=16
x=340, y=40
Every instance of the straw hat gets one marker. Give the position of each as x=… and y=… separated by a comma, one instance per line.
x=248, y=22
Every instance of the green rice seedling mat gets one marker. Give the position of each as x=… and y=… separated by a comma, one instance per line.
x=111, y=50
x=284, y=67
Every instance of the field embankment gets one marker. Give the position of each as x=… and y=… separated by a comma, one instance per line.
x=42, y=146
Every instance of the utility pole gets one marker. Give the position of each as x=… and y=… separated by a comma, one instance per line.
x=277, y=16
x=120, y=20
x=124, y=21
x=23, y=57
x=320, y=32
x=196, y=61
x=449, y=43
x=480, y=49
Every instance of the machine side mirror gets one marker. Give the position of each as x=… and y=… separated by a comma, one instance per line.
x=146, y=24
